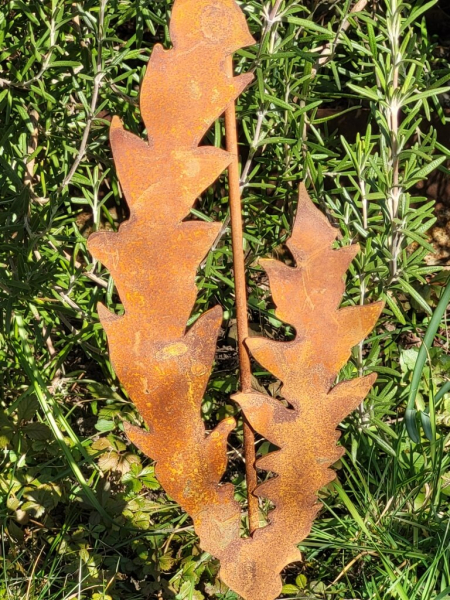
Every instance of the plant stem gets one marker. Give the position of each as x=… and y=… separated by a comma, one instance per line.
x=241, y=301
x=395, y=192
x=364, y=414
x=364, y=417
x=329, y=49
x=393, y=114
x=99, y=75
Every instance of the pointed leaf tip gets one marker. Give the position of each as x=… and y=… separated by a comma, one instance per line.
x=312, y=231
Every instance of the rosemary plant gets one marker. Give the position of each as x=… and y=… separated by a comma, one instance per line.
x=350, y=97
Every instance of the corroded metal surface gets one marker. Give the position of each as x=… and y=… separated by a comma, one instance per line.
x=155, y=255
x=304, y=427
x=165, y=368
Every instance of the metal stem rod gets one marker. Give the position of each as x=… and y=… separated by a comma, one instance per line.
x=240, y=286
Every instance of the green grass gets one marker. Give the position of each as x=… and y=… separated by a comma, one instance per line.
x=81, y=512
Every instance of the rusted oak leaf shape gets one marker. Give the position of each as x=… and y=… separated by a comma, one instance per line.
x=308, y=297
x=155, y=255
x=165, y=368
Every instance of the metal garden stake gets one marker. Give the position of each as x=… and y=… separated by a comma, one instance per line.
x=165, y=367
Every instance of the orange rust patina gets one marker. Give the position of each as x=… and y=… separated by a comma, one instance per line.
x=165, y=368
x=307, y=296
x=155, y=256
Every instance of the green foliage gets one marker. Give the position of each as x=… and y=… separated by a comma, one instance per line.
x=350, y=103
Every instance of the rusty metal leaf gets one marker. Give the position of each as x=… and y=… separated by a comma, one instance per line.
x=155, y=255
x=165, y=368
x=308, y=297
